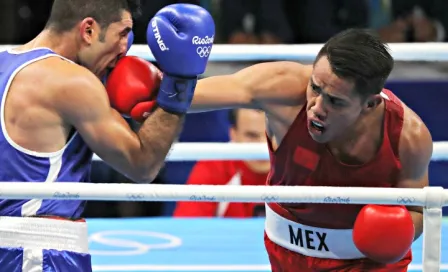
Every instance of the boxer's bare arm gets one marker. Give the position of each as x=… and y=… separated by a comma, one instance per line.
x=83, y=103
x=415, y=155
x=261, y=86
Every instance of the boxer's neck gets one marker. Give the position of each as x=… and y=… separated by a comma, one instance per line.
x=61, y=43
x=361, y=143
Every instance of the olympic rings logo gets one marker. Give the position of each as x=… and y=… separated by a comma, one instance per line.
x=405, y=200
x=269, y=198
x=135, y=196
x=204, y=51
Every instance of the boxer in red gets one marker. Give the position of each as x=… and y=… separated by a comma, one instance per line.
x=333, y=124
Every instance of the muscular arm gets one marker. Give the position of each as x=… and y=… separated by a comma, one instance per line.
x=260, y=85
x=415, y=155
x=84, y=104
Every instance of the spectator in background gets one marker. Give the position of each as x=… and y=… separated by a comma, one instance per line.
x=149, y=8
x=253, y=22
x=315, y=21
x=409, y=20
x=248, y=126
x=395, y=20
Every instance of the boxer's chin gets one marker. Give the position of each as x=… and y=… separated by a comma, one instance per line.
x=318, y=138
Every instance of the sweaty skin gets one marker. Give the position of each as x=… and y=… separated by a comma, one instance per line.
x=352, y=126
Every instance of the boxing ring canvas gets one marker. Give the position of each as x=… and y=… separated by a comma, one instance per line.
x=168, y=244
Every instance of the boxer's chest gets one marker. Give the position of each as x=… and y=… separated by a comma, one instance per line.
x=308, y=167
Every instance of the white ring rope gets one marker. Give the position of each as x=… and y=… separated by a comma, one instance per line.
x=219, y=193
x=304, y=52
x=247, y=151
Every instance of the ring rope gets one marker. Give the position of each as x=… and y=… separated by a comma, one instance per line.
x=247, y=151
x=304, y=52
x=223, y=193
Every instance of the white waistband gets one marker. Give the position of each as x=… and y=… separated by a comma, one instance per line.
x=310, y=241
x=43, y=233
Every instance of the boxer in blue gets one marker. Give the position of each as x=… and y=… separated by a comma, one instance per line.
x=55, y=112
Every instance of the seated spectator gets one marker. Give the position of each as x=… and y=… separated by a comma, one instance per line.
x=248, y=126
x=409, y=20
x=253, y=22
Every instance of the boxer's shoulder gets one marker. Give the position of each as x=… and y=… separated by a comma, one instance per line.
x=39, y=81
x=415, y=144
x=279, y=88
x=414, y=129
x=55, y=73
x=73, y=90
x=288, y=78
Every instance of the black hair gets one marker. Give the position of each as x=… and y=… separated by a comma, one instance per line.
x=65, y=14
x=359, y=55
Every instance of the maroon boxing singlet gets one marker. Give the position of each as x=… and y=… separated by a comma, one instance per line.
x=299, y=160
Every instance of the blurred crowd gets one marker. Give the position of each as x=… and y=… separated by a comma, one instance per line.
x=268, y=21
x=241, y=22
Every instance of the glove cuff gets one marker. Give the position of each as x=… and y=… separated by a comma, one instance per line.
x=176, y=93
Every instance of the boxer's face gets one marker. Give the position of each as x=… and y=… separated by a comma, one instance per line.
x=105, y=45
x=333, y=104
x=250, y=128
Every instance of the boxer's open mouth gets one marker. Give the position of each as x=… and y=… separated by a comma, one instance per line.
x=317, y=126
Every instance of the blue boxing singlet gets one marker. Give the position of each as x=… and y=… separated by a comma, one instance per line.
x=70, y=164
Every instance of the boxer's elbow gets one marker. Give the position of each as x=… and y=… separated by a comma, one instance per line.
x=143, y=174
x=141, y=169
x=144, y=179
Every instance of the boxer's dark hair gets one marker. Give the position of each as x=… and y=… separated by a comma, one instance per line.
x=65, y=14
x=361, y=56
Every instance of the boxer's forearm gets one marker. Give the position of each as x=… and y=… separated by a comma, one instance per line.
x=219, y=92
x=279, y=83
x=417, y=218
x=157, y=135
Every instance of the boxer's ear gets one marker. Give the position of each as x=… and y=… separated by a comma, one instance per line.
x=372, y=102
x=87, y=29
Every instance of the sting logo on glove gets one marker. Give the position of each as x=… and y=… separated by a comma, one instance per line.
x=158, y=37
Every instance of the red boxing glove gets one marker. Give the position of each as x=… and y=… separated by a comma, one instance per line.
x=384, y=233
x=132, y=86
